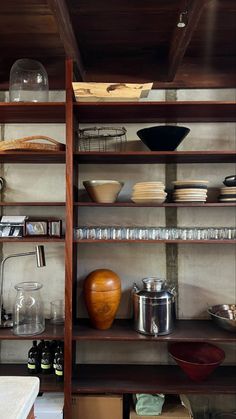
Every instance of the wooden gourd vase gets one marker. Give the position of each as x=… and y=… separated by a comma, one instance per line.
x=102, y=293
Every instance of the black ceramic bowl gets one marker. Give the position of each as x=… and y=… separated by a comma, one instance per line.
x=163, y=137
x=230, y=180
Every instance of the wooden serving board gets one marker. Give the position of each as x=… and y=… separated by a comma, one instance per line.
x=87, y=92
x=30, y=143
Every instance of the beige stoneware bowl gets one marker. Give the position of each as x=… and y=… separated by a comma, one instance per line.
x=103, y=191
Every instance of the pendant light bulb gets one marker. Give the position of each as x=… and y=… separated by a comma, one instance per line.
x=182, y=22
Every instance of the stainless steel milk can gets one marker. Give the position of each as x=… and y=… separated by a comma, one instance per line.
x=154, y=307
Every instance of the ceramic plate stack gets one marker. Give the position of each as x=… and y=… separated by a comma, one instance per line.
x=190, y=190
x=228, y=194
x=149, y=193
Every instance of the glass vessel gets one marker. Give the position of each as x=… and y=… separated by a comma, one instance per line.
x=28, y=317
x=28, y=81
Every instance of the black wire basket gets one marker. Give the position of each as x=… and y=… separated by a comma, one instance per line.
x=102, y=139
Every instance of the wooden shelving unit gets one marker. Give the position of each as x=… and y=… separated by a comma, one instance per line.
x=39, y=157
x=51, y=332
x=147, y=378
x=116, y=378
x=29, y=113
x=31, y=239
x=32, y=204
x=155, y=112
x=169, y=379
x=185, y=331
x=86, y=241
x=164, y=205
x=33, y=113
x=152, y=157
x=48, y=383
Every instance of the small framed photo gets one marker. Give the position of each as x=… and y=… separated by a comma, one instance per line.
x=55, y=228
x=10, y=230
x=36, y=228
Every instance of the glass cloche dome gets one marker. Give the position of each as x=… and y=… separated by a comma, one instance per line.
x=28, y=81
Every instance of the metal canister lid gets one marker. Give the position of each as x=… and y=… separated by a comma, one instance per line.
x=153, y=283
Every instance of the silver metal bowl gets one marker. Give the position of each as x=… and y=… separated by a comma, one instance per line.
x=224, y=315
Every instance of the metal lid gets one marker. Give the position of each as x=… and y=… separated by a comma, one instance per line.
x=153, y=283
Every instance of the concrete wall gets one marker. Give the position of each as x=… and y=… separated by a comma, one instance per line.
x=204, y=274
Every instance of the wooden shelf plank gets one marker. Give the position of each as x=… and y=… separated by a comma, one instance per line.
x=54, y=112
x=32, y=239
x=185, y=331
x=32, y=112
x=164, y=205
x=47, y=157
x=32, y=204
x=48, y=383
x=168, y=379
x=52, y=332
x=158, y=241
x=131, y=112
x=155, y=157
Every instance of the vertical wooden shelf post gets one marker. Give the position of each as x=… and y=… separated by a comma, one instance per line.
x=69, y=268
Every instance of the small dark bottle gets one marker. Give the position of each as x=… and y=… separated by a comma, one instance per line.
x=46, y=359
x=56, y=353
x=33, y=359
x=59, y=370
x=41, y=346
x=53, y=346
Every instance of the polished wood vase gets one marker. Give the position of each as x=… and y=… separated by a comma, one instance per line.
x=102, y=293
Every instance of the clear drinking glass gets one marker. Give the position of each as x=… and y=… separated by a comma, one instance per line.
x=57, y=315
x=28, y=81
x=28, y=316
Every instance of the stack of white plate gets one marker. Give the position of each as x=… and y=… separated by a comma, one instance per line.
x=148, y=193
x=190, y=190
x=228, y=194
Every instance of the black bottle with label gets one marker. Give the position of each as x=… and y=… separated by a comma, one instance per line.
x=59, y=370
x=34, y=359
x=53, y=346
x=41, y=346
x=56, y=353
x=46, y=359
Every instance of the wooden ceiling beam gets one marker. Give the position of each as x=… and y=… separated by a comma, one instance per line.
x=181, y=37
x=62, y=17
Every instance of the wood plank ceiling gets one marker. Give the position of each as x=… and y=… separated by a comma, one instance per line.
x=123, y=40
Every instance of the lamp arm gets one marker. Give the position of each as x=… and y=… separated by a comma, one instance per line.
x=2, y=276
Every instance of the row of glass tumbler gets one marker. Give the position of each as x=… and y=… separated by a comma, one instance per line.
x=155, y=233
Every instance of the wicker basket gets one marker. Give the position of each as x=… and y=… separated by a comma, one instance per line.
x=28, y=143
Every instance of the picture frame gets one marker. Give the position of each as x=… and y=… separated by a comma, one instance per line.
x=36, y=228
x=11, y=230
x=55, y=228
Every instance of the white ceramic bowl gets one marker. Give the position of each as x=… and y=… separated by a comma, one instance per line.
x=103, y=191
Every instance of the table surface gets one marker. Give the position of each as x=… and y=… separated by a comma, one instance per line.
x=17, y=396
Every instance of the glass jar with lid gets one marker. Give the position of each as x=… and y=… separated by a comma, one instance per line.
x=28, y=81
x=28, y=316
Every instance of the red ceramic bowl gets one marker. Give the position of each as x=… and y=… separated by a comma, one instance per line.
x=198, y=360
